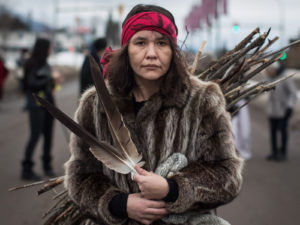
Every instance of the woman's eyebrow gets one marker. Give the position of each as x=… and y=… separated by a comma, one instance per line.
x=138, y=38
x=162, y=38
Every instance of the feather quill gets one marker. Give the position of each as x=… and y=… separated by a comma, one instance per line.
x=104, y=152
x=119, y=131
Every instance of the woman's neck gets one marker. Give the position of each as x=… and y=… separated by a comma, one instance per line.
x=145, y=89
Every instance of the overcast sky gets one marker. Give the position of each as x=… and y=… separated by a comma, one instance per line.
x=247, y=13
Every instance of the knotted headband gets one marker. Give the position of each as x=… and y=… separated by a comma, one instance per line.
x=153, y=21
x=105, y=60
x=148, y=21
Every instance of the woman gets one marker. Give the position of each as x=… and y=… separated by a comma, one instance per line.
x=166, y=112
x=39, y=80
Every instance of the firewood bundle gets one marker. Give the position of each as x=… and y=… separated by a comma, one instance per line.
x=232, y=72
x=237, y=67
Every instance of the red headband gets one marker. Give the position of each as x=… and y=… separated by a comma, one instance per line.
x=148, y=21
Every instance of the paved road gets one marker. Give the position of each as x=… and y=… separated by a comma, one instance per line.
x=270, y=194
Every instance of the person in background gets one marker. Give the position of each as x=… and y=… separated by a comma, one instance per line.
x=241, y=128
x=169, y=114
x=97, y=50
x=3, y=75
x=39, y=80
x=280, y=108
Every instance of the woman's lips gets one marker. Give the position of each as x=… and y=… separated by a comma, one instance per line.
x=151, y=67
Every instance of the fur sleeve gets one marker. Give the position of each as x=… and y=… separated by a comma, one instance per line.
x=85, y=182
x=215, y=177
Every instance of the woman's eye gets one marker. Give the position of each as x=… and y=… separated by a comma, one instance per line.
x=140, y=43
x=162, y=43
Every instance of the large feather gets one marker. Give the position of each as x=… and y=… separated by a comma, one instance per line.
x=119, y=131
x=106, y=153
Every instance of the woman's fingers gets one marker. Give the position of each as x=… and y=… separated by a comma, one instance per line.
x=141, y=171
x=153, y=214
x=139, y=208
x=136, y=177
x=157, y=212
x=156, y=204
x=151, y=185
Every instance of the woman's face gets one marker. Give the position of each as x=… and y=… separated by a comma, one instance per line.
x=150, y=55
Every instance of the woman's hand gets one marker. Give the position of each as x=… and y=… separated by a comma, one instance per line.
x=151, y=185
x=143, y=210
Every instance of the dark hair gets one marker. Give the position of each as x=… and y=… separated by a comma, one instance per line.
x=40, y=51
x=99, y=44
x=37, y=59
x=120, y=73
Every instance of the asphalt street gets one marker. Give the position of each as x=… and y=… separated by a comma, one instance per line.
x=270, y=193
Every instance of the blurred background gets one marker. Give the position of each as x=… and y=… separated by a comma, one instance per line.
x=271, y=190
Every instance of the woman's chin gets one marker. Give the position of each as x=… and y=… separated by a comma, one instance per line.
x=150, y=76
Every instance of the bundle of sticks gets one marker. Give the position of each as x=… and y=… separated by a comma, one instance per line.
x=235, y=68
x=232, y=72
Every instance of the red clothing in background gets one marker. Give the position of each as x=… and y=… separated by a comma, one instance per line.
x=3, y=75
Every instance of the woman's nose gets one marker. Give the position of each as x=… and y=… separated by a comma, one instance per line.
x=151, y=52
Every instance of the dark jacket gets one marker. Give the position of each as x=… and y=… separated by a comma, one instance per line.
x=86, y=79
x=39, y=81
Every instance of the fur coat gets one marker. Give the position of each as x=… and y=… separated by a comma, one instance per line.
x=192, y=121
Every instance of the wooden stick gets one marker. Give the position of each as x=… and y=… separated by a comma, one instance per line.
x=245, y=92
x=257, y=54
x=228, y=56
x=59, y=194
x=49, y=186
x=186, y=36
x=53, y=207
x=235, y=72
x=34, y=184
x=227, y=95
x=273, y=84
x=257, y=42
x=63, y=214
x=269, y=62
x=259, y=90
x=77, y=219
x=217, y=65
x=246, y=103
x=197, y=57
x=244, y=42
x=52, y=219
x=255, y=72
x=282, y=49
